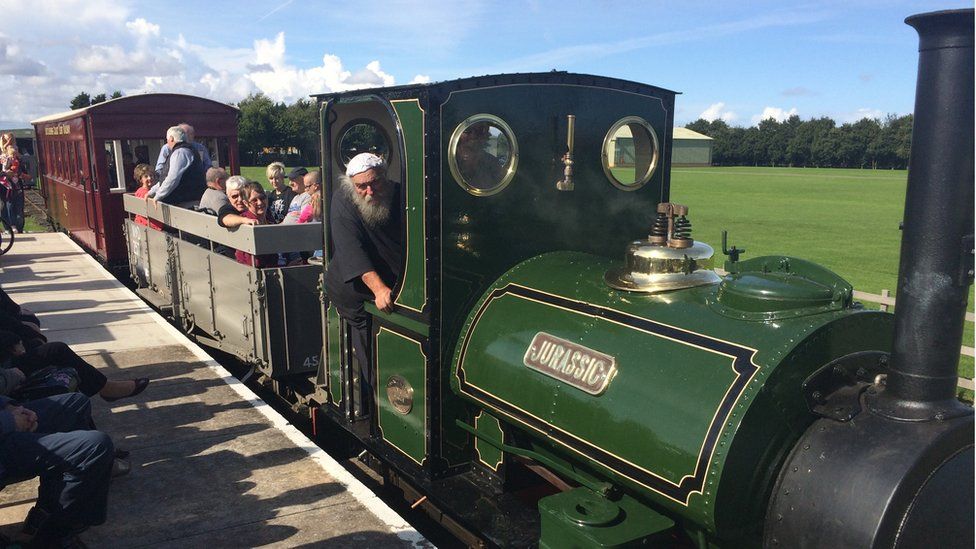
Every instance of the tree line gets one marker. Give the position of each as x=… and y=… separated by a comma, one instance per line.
x=814, y=143
x=268, y=131
x=83, y=100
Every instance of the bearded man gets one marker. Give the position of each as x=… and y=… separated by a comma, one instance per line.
x=368, y=250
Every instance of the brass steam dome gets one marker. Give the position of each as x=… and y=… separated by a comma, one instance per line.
x=667, y=260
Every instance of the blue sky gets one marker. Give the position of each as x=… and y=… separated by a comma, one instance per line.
x=739, y=61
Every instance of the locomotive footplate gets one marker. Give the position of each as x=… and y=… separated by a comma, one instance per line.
x=468, y=503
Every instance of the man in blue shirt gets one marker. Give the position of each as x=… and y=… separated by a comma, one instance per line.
x=185, y=179
x=200, y=149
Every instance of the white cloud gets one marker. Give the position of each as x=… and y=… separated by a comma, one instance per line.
x=14, y=62
x=717, y=111
x=63, y=15
x=280, y=81
x=775, y=113
x=104, y=50
x=115, y=60
x=420, y=79
x=798, y=91
x=863, y=112
x=142, y=28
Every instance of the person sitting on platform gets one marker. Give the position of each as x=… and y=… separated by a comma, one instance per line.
x=31, y=359
x=257, y=203
x=29, y=332
x=185, y=175
x=280, y=197
x=365, y=229
x=11, y=307
x=215, y=197
x=52, y=438
x=145, y=177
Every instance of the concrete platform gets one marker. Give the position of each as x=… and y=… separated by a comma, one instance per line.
x=212, y=465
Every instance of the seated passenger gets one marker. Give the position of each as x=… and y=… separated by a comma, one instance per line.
x=144, y=176
x=280, y=197
x=51, y=438
x=296, y=180
x=312, y=179
x=215, y=197
x=29, y=332
x=314, y=214
x=312, y=211
x=230, y=216
x=185, y=178
x=257, y=202
x=31, y=359
x=12, y=308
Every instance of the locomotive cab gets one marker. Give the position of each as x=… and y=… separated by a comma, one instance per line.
x=493, y=171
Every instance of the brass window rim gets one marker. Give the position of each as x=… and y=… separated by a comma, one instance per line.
x=655, y=156
x=510, y=169
x=365, y=121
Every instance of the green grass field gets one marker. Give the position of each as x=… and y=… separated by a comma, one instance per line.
x=846, y=220
x=257, y=173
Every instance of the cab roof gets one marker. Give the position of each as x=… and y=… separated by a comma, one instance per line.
x=552, y=77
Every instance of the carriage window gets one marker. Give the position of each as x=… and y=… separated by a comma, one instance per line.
x=212, y=149
x=62, y=171
x=483, y=154
x=79, y=167
x=72, y=161
x=630, y=153
x=361, y=136
x=133, y=153
x=115, y=164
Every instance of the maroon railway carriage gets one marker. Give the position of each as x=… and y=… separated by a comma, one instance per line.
x=86, y=157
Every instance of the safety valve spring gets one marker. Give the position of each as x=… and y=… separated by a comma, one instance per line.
x=659, y=230
x=682, y=228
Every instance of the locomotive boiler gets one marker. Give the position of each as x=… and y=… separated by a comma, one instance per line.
x=565, y=368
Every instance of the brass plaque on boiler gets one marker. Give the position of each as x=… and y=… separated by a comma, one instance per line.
x=588, y=370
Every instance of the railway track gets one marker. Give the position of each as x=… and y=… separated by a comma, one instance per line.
x=35, y=207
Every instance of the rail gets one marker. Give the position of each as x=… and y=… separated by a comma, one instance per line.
x=885, y=301
x=255, y=240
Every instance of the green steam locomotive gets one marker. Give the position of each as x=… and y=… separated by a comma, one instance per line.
x=536, y=389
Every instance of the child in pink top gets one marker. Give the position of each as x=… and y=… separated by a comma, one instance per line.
x=144, y=176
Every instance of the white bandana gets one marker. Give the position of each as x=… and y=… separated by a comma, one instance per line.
x=362, y=162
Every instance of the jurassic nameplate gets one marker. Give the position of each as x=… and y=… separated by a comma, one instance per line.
x=579, y=366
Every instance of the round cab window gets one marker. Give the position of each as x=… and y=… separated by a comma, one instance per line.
x=483, y=154
x=630, y=153
x=361, y=136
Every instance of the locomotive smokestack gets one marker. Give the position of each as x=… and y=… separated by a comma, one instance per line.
x=936, y=267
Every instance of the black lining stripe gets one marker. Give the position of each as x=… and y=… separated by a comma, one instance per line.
x=741, y=365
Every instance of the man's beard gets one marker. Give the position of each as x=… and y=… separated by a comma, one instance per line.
x=375, y=209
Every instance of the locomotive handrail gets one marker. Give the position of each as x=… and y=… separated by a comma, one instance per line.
x=255, y=240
